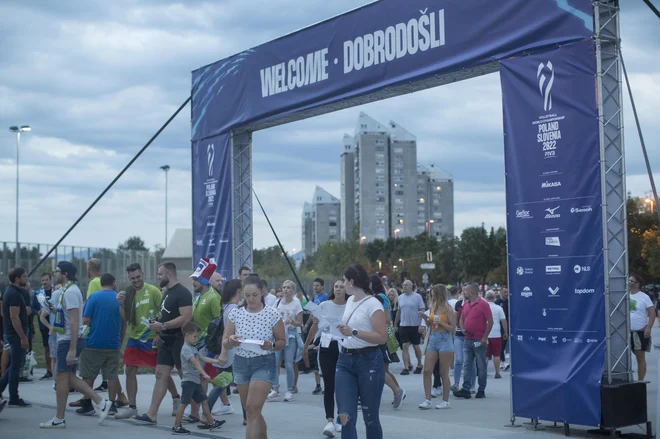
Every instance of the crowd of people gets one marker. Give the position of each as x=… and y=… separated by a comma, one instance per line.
x=235, y=336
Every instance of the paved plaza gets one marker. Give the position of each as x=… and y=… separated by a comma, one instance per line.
x=304, y=417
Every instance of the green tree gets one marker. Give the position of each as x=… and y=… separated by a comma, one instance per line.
x=475, y=253
x=640, y=221
x=651, y=251
x=133, y=243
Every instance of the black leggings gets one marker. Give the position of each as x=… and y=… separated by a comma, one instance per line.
x=437, y=380
x=328, y=362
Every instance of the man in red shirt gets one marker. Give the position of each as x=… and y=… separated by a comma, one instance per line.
x=476, y=323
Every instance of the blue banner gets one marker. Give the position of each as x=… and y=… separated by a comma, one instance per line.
x=211, y=202
x=384, y=44
x=555, y=234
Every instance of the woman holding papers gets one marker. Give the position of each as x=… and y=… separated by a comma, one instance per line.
x=330, y=313
x=360, y=368
x=254, y=331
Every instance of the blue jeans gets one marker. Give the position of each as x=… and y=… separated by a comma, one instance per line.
x=290, y=354
x=471, y=355
x=458, y=361
x=360, y=375
x=13, y=373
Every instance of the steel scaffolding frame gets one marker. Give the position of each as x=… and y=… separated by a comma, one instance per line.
x=241, y=158
x=613, y=184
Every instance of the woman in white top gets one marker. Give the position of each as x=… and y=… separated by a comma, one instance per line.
x=292, y=315
x=642, y=317
x=333, y=311
x=360, y=369
x=254, y=364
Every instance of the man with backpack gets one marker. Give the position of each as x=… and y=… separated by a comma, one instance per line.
x=206, y=308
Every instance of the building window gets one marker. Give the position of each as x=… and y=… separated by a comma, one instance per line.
x=380, y=199
x=380, y=184
x=380, y=142
x=398, y=150
x=380, y=170
x=380, y=156
x=380, y=148
x=398, y=201
x=380, y=178
x=380, y=192
x=332, y=224
x=400, y=193
x=380, y=163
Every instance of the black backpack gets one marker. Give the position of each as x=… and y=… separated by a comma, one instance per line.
x=214, y=336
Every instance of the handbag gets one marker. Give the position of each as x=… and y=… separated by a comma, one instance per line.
x=392, y=343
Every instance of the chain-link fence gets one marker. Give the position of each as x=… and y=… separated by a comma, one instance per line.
x=112, y=261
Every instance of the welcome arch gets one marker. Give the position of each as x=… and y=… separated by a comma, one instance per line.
x=561, y=76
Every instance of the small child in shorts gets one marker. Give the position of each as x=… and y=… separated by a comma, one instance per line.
x=191, y=385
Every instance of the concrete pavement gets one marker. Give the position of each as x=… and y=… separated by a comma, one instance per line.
x=304, y=417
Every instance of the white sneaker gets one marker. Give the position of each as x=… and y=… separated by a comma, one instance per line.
x=273, y=396
x=105, y=411
x=187, y=411
x=53, y=423
x=223, y=410
x=337, y=427
x=176, y=403
x=329, y=430
x=425, y=405
x=435, y=392
x=126, y=413
x=288, y=397
x=443, y=405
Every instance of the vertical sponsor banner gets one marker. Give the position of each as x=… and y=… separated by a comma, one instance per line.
x=211, y=202
x=555, y=234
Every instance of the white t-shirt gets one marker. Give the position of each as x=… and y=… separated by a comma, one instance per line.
x=333, y=313
x=270, y=300
x=254, y=326
x=639, y=303
x=409, y=307
x=498, y=316
x=289, y=311
x=452, y=303
x=360, y=319
x=72, y=299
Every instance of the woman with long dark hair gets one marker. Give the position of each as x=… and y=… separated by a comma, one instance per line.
x=333, y=310
x=254, y=366
x=379, y=290
x=360, y=369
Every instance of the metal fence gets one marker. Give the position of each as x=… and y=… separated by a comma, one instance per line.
x=112, y=261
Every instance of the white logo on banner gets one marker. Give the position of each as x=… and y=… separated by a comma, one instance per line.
x=553, y=291
x=210, y=156
x=546, y=87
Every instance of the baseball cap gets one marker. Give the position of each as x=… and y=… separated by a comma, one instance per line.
x=205, y=270
x=68, y=268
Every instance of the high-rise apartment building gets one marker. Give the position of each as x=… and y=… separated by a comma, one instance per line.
x=347, y=187
x=403, y=175
x=435, y=201
x=320, y=221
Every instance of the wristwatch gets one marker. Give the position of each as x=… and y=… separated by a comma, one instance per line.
x=354, y=333
x=163, y=327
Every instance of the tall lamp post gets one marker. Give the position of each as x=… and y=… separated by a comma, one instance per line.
x=165, y=168
x=18, y=131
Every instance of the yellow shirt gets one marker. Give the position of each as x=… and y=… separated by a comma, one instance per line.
x=94, y=286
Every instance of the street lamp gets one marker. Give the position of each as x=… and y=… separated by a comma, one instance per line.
x=18, y=131
x=165, y=168
x=428, y=228
x=396, y=232
x=362, y=239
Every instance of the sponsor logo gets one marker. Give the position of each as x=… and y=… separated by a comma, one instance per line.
x=210, y=224
x=523, y=214
x=592, y=340
x=583, y=209
x=199, y=243
x=553, y=269
x=564, y=340
x=523, y=270
x=552, y=241
x=553, y=291
x=578, y=340
x=554, y=339
x=580, y=268
x=551, y=213
x=585, y=291
x=526, y=292
x=542, y=338
x=210, y=158
x=520, y=338
x=546, y=83
x=549, y=184
x=545, y=313
x=211, y=242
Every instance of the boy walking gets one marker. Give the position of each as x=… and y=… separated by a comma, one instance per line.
x=191, y=384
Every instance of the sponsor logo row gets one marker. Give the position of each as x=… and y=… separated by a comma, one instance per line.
x=555, y=292
x=554, y=270
x=553, y=212
x=554, y=339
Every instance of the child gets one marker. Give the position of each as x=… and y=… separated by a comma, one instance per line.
x=190, y=381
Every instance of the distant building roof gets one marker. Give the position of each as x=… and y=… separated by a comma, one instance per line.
x=434, y=172
x=180, y=246
x=307, y=210
x=365, y=124
x=347, y=144
x=400, y=134
x=321, y=196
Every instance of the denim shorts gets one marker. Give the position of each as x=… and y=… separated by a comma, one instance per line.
x=440, y=342
x=63, y=350
x=261, y=368
x=52, y=345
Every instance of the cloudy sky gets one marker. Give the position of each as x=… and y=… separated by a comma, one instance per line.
x=96, y=79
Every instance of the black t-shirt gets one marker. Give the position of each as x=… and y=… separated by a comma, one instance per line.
x=14, y=296
x=459, y=310
x=176, y=297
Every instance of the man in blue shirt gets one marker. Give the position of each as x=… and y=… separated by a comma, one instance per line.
x=103, y=341
x=319, y=295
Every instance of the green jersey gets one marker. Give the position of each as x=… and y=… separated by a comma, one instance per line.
x=206, y=308
x=147, y=306
x=94, y=286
